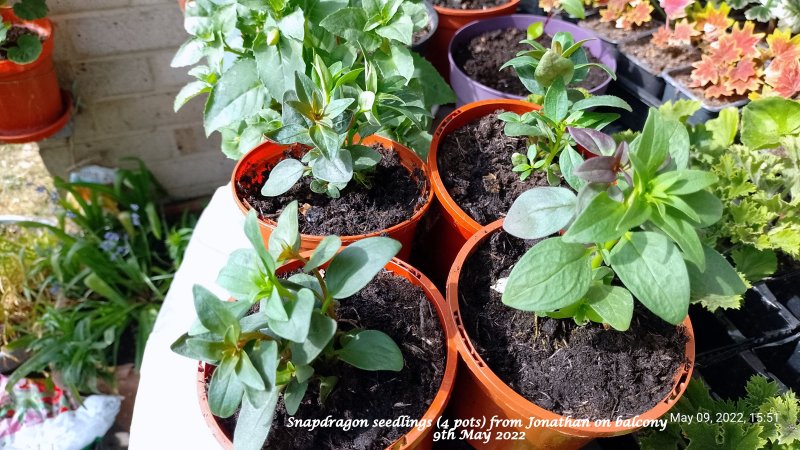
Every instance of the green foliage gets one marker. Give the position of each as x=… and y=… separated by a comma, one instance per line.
x=763, y=419
x=759, y=181
x=247, y=55
x=272, y=351
x=27, y=48
x=330, y=113
x=632, y=231
x=108, y=267
x=547, y=74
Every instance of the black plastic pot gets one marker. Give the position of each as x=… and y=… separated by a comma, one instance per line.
x=639, y=100
x=673, y=90
x=633, y=36
x=634, y=71
x=422, y=45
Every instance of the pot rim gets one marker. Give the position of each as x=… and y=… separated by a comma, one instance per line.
x=441, y=132
x=440, y=400
x=474, y=12
x=519, y=404
x=466, y=29
x=401, y=149
x=43, y=27
x=433, y=21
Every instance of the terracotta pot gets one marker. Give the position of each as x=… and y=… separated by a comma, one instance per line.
x=480, y=393
x=450, y=20
x=31, y=105
x=455, y=226
x=414, y=439
x=268, y=154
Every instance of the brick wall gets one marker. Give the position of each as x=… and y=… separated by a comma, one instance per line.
x=114, y=56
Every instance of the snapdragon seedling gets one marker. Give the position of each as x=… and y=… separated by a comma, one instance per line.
x=631, y=231
x=547, y=74
x=262, y=355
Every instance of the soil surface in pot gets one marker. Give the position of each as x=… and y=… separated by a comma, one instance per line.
x=583, y=372
x=608, y=31
x=657, y=59
x=13, y=35
x=393, y=198
x=485, y=54
x=685, y=79
x=475, y=166
x=469, y=4
x=400, y=309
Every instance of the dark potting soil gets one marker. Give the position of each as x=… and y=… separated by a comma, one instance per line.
x=608, y=31
x=582, y=372
x=394, y=196
x=656, y=59
x=393, y=305
x=13, y=35
x=420, y=34
x=485, y=55
x=685, y=79
x=469, y=4
x=475, y=166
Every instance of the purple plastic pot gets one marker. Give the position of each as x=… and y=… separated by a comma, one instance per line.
x=468, y=90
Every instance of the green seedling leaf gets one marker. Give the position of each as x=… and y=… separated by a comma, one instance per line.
x=26, y=51
x=299, y=311
x=767, y=120
x=282, y=177
x=540, y=212
x=337, y=170
x=683, y=233
x=372, y=350
x=30, y=9
x=556, y=103
x=284, y=241
x=273, y=308
x=755, y=264
x=613, y=304
x=567, y=161
x=356, y=265
x=254, y=422
x=601, y=100
x=320, y=334
x=264, y=357
x=704, y=206
x=364, y=158
x=248, y=374
x=551, y=275
x=326, y=250
x=598, y=222
x=237, y=95
x=718, y=278
x=535, y=30
x=225, y=390
x=212, y=313
x=253, y=233
x=295, y=391
x=652, y=268
x=303, y=373
x=243, y=275
x=682, y=182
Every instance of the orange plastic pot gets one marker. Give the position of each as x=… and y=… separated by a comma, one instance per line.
x=480, y=393
x=450, y=20
x=455, y=226
x=268, y=154
x=31, y=105
x=414, y=439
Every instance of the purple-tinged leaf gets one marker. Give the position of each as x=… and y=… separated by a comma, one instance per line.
x=621, y=154
x=593, y=141
x=597, y=170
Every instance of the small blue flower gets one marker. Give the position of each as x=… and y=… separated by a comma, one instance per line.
x=54, y=196
x=134, y=207
x=41, y=189
x=136, y=220
x=71, y=215
x=54, y=289
x=111, y=236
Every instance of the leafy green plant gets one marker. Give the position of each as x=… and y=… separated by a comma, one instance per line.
x=106, y=273
x=27, y=48
x=759, y=179
x=252, y=51
x=632, y=231
x=330, y=113
x=763, y=419
x=271, y=352
x=547, y=73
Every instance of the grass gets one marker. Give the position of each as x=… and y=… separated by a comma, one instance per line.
x=25, y=184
